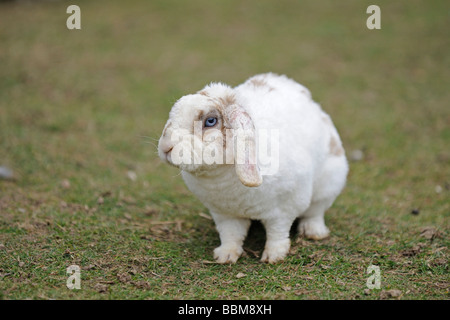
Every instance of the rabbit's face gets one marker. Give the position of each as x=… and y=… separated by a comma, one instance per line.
x=194, y=137
x=200, y=133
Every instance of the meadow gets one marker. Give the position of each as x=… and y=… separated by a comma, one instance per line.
x=81, y=112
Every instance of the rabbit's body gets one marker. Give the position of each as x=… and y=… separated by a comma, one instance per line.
x=311, y=170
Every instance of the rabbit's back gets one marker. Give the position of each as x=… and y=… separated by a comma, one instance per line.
x=279, y=104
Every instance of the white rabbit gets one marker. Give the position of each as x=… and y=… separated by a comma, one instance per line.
x=310, y=171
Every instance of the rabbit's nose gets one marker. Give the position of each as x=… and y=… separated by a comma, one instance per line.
x=168, y=149
x=165, y=146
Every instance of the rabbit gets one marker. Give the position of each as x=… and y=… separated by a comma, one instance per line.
x=310, y=168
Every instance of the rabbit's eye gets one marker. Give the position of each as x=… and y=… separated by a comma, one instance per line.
x=210, y=122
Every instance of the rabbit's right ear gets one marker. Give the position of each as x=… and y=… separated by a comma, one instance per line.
x=244, y=139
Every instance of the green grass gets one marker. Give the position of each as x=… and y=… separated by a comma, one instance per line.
x=80, y=109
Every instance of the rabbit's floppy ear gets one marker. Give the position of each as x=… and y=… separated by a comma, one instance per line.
x=245, y=145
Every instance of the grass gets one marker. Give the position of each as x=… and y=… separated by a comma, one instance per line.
x=80, y=113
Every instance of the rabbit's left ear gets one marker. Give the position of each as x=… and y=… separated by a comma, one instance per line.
x=244, y=138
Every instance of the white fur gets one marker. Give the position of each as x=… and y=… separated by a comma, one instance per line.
x=312, y=166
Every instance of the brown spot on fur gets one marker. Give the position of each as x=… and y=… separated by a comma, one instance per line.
x=228, y=100
x=223, y=102
x=203, y=93
x=223, y=129
x=261, y=83
x=335, y=147
x=258, y=82
x=200, y=115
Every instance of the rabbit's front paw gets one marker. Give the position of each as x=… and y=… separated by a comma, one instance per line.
x=276, y=251
x=228, y=253
x=314, y=229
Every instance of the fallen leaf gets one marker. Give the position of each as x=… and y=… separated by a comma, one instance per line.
x=142, y=284
x=240, y=275
x=208, y=262
x=149, y=211
x=302, y=292
x=133, y=271
x=106, y=194
x=101, y=288
x=204, y=215
x=393, y=293
x=428, y=233
x=411, y=252
x=129, y=200
x=65, y=184
x=128, y=216
x=89, y=267
x=124, y=277
x=440, y=262
x=132, y=175
x=253, y=252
